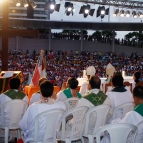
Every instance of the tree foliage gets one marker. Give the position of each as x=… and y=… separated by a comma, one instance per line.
x=134, y=36
x=106, y=34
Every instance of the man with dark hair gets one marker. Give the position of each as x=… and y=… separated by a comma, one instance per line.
x=69, y=92
x=133, y=117
x=94, y=97
x=118, y=95
x=13, y=92
x=37, y=96
x=47, y=103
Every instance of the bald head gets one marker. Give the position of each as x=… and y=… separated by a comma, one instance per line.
x=41, y=80
x=95, y=82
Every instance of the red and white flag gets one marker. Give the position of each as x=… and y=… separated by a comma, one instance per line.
x=39, y=70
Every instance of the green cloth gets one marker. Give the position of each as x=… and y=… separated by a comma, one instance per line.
x=96, y=99
x=68, y=93
x=11, y=93
x=139, y=109
x=119, y=89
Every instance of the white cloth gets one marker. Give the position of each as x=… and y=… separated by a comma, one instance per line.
x=3, y=99
x=27, y=122
x=35, y=98
x=133, y=85
x=131, y=118
x=83, y=89
x=117, y=99
x=61, y=96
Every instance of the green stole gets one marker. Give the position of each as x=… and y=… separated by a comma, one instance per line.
x=119, y=89
x=11, y=93
x=96, y=99
x=68, y=94
x=139, y=109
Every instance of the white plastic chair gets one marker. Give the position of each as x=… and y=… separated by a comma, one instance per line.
x=126, y=107
x=139, y=137
x=75, y=133
x=71, y=103
x=119, y=133
x=11, y=114
x=99, y=115
x=52, y=120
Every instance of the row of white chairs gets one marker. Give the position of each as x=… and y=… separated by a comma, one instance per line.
x=81, y=115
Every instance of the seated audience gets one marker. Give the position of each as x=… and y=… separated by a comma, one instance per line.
x=90, y=71
x=37, y=96
x=47, y=103
x=69, y=92
x=118, y=95
x=133, y=117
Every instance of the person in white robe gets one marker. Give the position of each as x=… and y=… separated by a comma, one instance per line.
x=47, y=103
x=37, y=96
x=11, y=94
x=69, y=92
x=133, y=117
x=94, y=97
x=94, y=92
x=118, y=95
x=90, y=71
x=109, y=73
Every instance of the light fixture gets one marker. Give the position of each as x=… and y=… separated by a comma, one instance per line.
x=140, y=14
x=127, y=13
x=122, y=13
x=25, y=3
x=69, y=8
x=116, y=12
x=33, y=4
x=101, y=11
x=18, y=3
x=85, y=10
x=134, y=14
x=52, y=6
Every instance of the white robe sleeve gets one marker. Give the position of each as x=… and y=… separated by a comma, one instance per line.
x=26, y=121
x=61, y=96
x=83, y=88
x=26, y=98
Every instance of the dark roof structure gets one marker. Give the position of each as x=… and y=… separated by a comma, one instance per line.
x=45, y=24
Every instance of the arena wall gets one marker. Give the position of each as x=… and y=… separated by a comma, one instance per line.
x=68, y=45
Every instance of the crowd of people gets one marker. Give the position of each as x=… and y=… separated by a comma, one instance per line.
x=63, y=68
x=60, y=65
x=93, y=38
x=36, y=116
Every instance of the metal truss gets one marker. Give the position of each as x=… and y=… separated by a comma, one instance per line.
x=132, y=4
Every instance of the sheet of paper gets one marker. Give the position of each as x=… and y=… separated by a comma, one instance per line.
x=8, y=74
